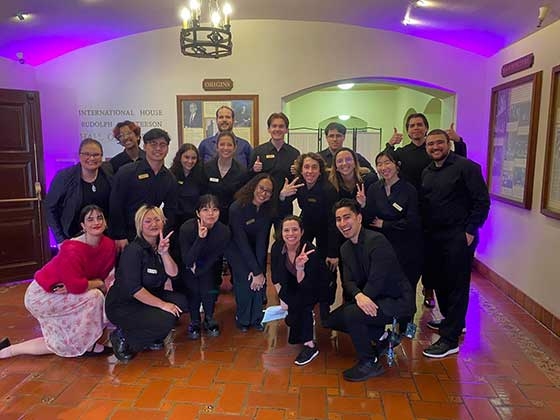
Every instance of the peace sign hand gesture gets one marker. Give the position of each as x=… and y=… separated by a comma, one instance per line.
x=290, y=188
x=361, y=195
x=202, y=230
x=163, y=246
x=302, y=258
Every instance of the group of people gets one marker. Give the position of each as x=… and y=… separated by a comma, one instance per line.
x=417, y=216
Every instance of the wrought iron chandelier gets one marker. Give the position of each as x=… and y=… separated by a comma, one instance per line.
x=211, y=40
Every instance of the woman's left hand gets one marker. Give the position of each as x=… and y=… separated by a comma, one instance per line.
x=163, y=246
x=302, y=258
x=361, y=195
x=257, y=282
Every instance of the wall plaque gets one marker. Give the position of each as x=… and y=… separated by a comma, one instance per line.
x=217, y=84
x=515, y=66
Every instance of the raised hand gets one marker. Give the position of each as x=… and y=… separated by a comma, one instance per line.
x=302, y=258
x=257, y=167
x=361, y=195
x=293, y=169
x=452, y=133
x=396, y=138
x=202, y=230
x=290, y=188
x=163, y=246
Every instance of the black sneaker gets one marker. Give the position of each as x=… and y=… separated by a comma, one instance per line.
x=121, y=349
x=440, y=349
x=211, y=327
x=363, y=370
x=193, y=331
x=436, y=324
x=306, y=355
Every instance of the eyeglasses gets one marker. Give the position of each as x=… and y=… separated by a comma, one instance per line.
x=90, y=155
x=157, y=144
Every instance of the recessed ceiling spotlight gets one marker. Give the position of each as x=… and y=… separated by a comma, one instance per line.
x=344, y=117
x=21, y=16
x=422, y=3
x=346, y=86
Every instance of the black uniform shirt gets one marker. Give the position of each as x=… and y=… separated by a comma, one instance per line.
x=275, y=162
x=122, y=159
x=368, y=180
x=204, y=252
x=454, y=195
x=414, y=159
x=250, y=231
x=136, y=184
x=140, y=266
x=190, y=188
x=226, y=187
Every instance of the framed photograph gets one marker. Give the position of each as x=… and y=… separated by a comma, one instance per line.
x=512, y=141
x=550, y=203
x=196, y=116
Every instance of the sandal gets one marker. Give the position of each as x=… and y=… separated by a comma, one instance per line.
x=91, y=353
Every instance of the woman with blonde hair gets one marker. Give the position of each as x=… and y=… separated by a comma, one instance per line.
x=138, y=304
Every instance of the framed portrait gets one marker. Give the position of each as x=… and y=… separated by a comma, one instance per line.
x=196, y=116
x=550, y=203
x=512, y=141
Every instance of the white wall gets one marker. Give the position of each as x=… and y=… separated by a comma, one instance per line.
x=271, y=58
x=523, y=245
x=16, y=76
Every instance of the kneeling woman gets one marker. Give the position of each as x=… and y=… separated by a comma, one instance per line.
x=143, y=311
x=297, y=271
x=67, y=295
x=203, y=242
x=250, y=219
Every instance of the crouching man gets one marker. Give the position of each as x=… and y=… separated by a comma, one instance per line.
x=375, y=280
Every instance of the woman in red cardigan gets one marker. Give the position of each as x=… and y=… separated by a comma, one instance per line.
x=68, y=294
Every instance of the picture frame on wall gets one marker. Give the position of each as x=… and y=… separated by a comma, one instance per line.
x=196, y=116
x=550, y=202
x=512, y=140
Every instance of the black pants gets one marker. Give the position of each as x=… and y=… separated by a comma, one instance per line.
x=202, y=289
x=448, y=263
x=142, y=324
x=300, y=318
x=249, y=303
x=363, y=329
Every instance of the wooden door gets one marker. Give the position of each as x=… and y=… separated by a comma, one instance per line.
x=23, y=231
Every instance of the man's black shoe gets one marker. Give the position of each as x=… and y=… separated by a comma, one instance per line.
x=440, y=349
x=211, y=327
x=363, y=370
x=120, y=347
x=193, y=332
x=156, y=345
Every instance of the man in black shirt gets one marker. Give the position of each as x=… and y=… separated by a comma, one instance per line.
x=142, y=182
x=413, y=159
x=335, y=134
x=455, y=203
x=373, y=278
x=127, y=134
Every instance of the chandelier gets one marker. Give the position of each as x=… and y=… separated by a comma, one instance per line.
x=211, y=40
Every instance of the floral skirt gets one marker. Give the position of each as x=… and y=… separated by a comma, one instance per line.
x=71, y=324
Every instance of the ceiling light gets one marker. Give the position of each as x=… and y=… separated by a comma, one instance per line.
x=206, y=40
x=344, y=117
x=21, y=16
x=422, y=3
x=346, y=86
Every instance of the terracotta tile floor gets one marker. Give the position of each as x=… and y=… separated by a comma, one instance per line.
x=508, y=367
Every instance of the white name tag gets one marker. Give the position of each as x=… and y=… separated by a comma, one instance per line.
x=396, y=205
x=214, y=180
x=151, y=271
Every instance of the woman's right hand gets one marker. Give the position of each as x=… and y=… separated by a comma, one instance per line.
x=171, y=308
x=202, y=230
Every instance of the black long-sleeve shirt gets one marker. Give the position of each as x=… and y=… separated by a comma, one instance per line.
x=413, y=159
x=250, y=231
x=275, y=162
x=371, y=267
x=204, y=252
x=454, y=195
x=122, y=159
x=316, y=204
x=136, y=184
x=368, y=179
x=224, y=187
x=307, y=291
x=189, y=190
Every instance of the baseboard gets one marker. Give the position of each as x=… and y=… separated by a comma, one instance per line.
x=536, y=310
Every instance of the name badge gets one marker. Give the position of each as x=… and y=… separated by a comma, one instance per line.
x=396, y=205
x=151, y=271
x=270, y=156
x=250, y=222
x=312, y=200
x=143, y=176
x=180, y=182
x=214, y=180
